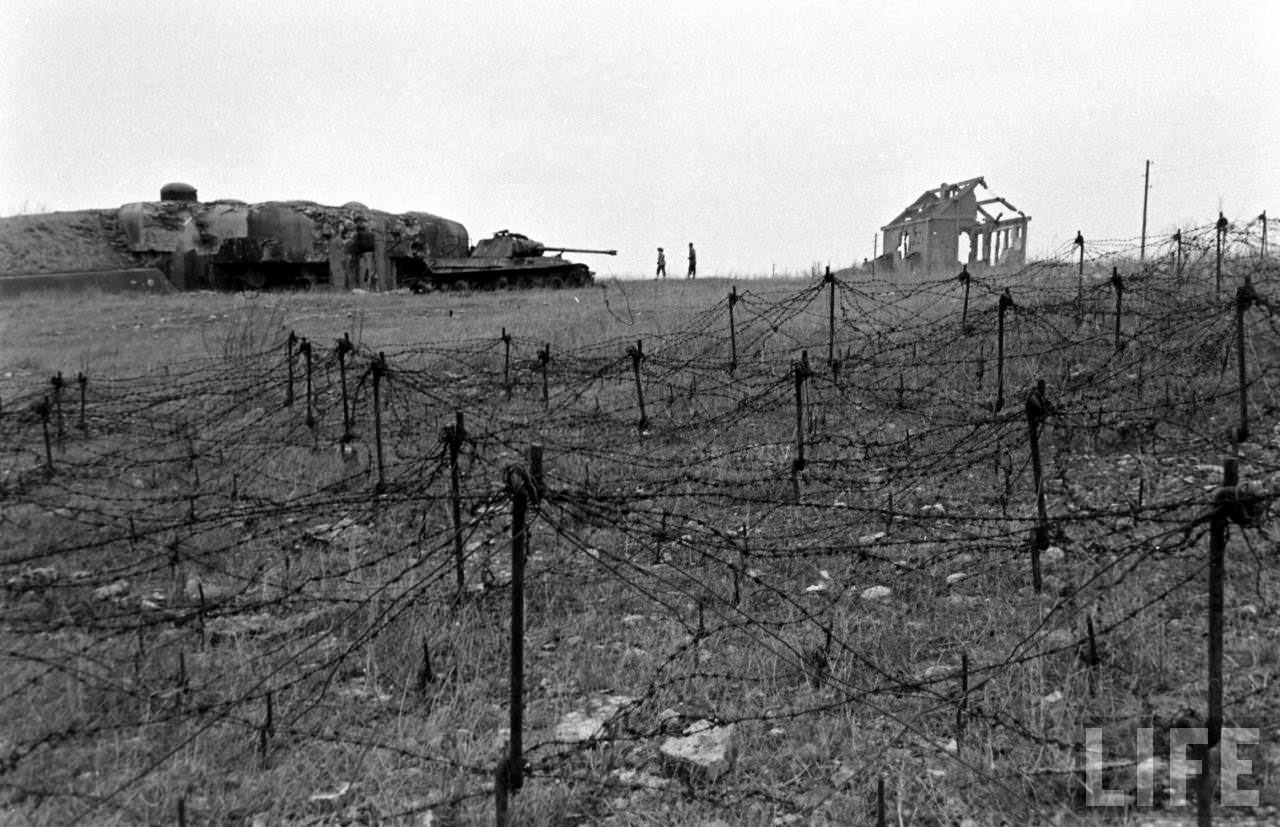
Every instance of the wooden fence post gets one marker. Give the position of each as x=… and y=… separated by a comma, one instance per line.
x=1221, y=236
x=1246, y=296
x=289, y=345
x=1006, y=302
x=83, y=382
x=1079, y=242
x=637, y=356
x=265, y=732
x=502, y=792
x=42, y=411
x=453, y=437
x=802, y=372
x=830, y=281
x=344, y=347
x=1177, y=254
x=58, y=384
x=1093, y=656
x=522, y=489
x=506, y=362
x=536, y=472
x=733, y=333
x=1223, y=500
x=544, y=359
x=378, y=369
x=304, y=347
x=1038, y=408
x=1118, y=284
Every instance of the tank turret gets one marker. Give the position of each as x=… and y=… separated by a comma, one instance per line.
x=506, y=244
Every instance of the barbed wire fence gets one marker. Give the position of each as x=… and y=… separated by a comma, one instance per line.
x=848, y=524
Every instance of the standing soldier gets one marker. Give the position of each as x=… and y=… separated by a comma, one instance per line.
x=363, y=246
x=693, y=262
x=662, y=265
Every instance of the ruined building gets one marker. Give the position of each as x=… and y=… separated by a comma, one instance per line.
x=949, y=227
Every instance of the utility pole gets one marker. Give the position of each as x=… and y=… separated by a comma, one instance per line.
x=1146, y=190
x=1264, y=234
x=875, y=253
x=1221, y=235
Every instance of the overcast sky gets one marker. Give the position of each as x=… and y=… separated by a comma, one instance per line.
x=771, y=134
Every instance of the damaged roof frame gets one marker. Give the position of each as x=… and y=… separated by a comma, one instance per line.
x=925, y=237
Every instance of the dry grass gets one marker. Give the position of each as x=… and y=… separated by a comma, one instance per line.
x=631, y=573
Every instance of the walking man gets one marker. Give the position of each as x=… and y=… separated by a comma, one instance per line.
x=693, y=262
x=662, y=265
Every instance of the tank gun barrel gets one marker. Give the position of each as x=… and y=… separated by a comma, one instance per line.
x=578, y=250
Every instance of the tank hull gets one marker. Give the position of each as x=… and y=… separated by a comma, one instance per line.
x=473, y=273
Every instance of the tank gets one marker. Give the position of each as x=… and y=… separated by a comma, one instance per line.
x=507, y=261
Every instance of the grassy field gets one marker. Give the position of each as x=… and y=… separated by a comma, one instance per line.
x=128, y=334
x=228, y=597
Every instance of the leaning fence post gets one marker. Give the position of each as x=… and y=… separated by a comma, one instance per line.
x=1118, y=284
x=1038, y=408
x=637, y=356
x=378, y=369
x=42, y=411
x=733, y=332
x=1006, y=302
x=453, y=437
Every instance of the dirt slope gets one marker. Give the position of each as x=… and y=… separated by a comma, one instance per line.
x=63, y=242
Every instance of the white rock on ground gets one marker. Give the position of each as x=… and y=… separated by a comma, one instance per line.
x=117, y=589
x=590, y=721
x=641, y=779
x=705, y=751
x=876, y=593
x=939, y=671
